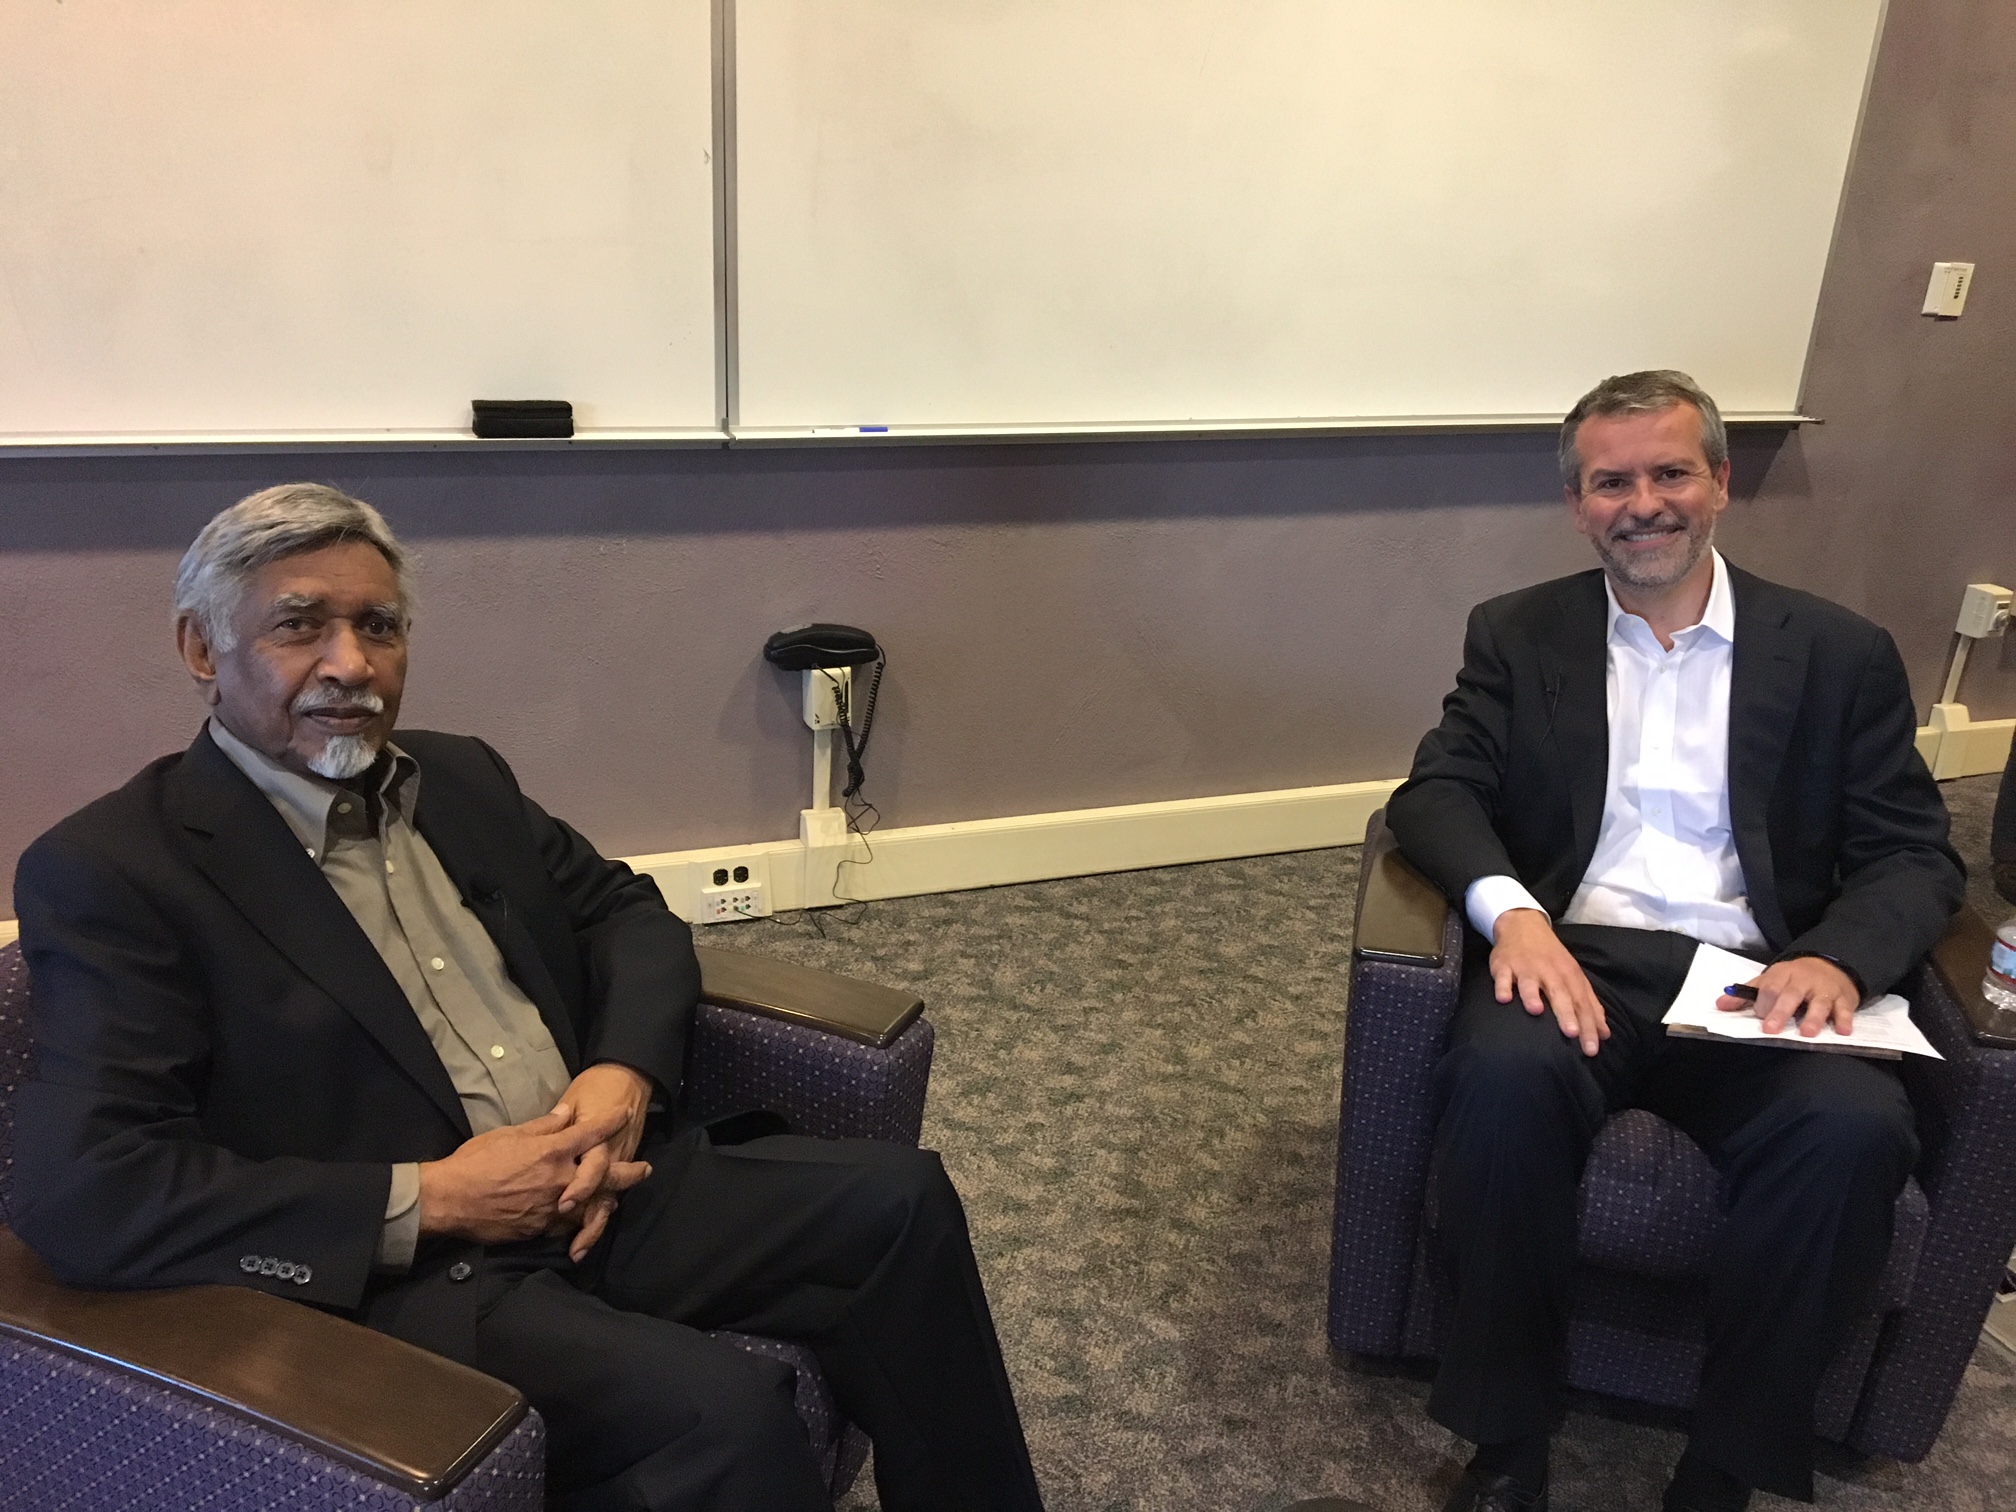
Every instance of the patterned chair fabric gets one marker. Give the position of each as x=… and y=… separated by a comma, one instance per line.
x=75, y=1434
x=1651, y=1206
x=822, y=1085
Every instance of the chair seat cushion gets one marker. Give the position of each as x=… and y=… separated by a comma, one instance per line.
x=1652, y=1205
x=839, y=1446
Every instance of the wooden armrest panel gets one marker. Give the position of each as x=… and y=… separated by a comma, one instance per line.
x=395, y=1412
x=805, y=995
x=1961, y=959
x=1401, y=916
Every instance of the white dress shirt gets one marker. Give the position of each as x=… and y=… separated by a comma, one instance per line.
x=1665, y=854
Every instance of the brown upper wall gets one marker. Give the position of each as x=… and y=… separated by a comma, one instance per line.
x=1068, y=625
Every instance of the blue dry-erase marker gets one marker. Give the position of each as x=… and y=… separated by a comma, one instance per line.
x=869, y=429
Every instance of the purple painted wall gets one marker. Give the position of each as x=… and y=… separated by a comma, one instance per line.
x=1068, y=625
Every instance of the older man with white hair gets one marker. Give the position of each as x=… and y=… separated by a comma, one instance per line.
x=354, y=1021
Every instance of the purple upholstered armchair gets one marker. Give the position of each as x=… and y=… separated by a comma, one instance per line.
x=232, y=1399
x=1650, y=1201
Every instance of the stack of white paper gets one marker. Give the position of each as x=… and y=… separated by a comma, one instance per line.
x=1883, y=1028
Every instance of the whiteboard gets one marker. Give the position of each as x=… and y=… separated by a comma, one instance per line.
x=1059, y=213
x=310, y=218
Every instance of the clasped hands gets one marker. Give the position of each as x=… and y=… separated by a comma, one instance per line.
x=561, y=1171
x=1529, y=962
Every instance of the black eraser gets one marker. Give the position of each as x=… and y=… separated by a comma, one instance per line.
x=522, y=418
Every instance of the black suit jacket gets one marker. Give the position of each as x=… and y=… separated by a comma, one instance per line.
x=1838, y=825
x=225, y=1067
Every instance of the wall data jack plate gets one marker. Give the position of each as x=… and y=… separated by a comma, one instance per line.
x=822, y=709
x=723, y=905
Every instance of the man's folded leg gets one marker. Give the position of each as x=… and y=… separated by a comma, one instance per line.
x=1815, y=1148
x=860, y=1250
x=1517, y=1107
x=643, y=1415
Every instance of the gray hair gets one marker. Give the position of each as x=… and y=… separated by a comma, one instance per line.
x=1638, y=394
x=263, y=528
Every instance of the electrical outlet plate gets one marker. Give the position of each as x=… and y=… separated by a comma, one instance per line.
x=742, y=891
x=1984, y=610
x=1946, y=294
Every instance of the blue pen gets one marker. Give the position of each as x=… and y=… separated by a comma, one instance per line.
x=1741, y=990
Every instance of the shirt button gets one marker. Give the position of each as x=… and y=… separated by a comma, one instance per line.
x=342, y=808
x=496, y=1052
x=390, y=868
x=311, y=852
x=437, y=963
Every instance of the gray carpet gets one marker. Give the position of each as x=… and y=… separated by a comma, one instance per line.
x=1136, y=1090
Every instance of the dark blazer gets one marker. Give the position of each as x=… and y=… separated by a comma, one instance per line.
x=1839, y=828
x=225, y=1068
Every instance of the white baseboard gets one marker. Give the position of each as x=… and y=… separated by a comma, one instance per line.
x=930, y=858
x=933, y=858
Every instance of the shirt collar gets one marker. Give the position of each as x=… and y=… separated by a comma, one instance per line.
x=1719, y=618
x=303, y=799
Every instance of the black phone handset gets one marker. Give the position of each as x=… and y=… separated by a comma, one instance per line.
x=816, y=648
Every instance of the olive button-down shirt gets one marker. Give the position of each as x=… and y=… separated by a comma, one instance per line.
x=492, y=1042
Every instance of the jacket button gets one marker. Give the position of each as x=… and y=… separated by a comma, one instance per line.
x=461, y=1270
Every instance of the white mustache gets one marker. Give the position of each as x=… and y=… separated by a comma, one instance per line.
x=338, y=698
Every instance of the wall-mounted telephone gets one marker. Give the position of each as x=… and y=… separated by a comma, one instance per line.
x=815, y=649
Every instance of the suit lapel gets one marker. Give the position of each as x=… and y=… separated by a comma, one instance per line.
x=1766, y=675
x=238, y=840
x=1573, y=672
x=458, y=845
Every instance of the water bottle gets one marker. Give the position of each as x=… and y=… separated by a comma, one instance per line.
x=1999, y=986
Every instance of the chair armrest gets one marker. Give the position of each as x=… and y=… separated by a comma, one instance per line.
x=805, y=995
x=1407, y=963
x=1961, y=960
x=1401, y=917
x=1966, y=1107
x=366, y=1400
x=836, y=1058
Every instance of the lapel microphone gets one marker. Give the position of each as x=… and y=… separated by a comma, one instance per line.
x=483, y=889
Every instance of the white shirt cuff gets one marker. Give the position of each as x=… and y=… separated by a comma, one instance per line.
x=401, y=1234
x=1488, y=897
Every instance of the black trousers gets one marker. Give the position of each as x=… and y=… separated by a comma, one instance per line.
x=854, y=1247
x=1815, y=1148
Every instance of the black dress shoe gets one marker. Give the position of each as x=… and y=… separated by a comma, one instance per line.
x=1498, y=1493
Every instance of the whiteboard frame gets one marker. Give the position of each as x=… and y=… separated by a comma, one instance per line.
x=255, y=443
x=728, y=433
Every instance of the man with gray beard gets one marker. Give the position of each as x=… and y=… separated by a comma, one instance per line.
x=353, y=1021
x=1636, y=760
